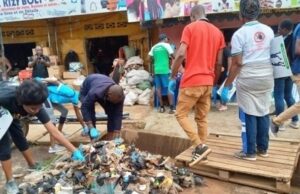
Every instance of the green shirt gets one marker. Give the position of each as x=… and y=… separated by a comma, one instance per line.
x=160, y=54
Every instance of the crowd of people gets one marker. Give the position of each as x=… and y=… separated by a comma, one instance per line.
x=199, y=67
x=211, y=68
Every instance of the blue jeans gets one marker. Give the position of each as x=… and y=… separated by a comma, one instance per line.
x=257, y=130
x=283, y=91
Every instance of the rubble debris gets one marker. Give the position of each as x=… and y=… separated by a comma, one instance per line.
x=112, y=167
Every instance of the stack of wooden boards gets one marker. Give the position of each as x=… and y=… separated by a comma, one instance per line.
x=272, y=173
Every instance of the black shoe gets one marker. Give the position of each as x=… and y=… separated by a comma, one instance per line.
x=162, y=109
x=172, y=110
x=199, y=154
x=262, y=153
x=243, y=156
x=274, y=127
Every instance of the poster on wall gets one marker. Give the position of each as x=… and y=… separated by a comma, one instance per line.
x=146, y=10
x=21, y=10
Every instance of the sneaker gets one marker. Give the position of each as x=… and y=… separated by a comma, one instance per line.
x=281, y=128
x=56, y=148
x=243, y=156
x=294, y=124
x=199, y=153
x=274, y=127
x=36, y=167
x=11, y=187
x=162, y=109
x=172, y=110
x=262, y=153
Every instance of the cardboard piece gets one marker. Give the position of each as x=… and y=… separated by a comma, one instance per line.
x=54, y=60
x=46, y=51
x=279, y=58
x=71, y=75
x=56, y=71
x=5, y=121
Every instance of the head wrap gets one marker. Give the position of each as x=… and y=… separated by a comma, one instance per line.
x=249, y=9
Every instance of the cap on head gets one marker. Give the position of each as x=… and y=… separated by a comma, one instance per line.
x=249, y=9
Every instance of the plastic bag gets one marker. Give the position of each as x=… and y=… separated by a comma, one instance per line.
x=144, y=98
x=130, y=98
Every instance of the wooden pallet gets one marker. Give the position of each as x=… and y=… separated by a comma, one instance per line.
x=273, y=173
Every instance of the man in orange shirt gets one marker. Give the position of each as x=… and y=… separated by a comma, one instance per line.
x=202, y=45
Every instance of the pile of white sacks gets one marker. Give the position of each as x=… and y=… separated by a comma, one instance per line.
x=137, y=87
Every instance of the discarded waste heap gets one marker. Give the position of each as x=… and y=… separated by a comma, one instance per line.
x=112, y=167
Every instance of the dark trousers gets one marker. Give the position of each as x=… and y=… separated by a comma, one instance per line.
x=257, y=130
x=15, y=134
x=283, y=92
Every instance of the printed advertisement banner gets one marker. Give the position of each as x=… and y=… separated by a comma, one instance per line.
x=21, y=10
x=279, y=58
x=145, y=10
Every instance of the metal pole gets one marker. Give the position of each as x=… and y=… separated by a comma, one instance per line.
x=2, y=61
x=1, y=42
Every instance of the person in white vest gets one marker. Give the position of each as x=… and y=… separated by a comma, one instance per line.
x=252, y=68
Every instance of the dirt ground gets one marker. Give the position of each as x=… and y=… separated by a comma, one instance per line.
x=164, y=123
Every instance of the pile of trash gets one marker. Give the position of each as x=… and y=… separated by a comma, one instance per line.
x=134, y=63
x=112, y=167
x=136, y=84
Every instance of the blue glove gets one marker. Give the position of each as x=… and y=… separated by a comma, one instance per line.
x=172, y=86
x=85, y=131
x=77, y=155
x=94, y=133
x=225, y=94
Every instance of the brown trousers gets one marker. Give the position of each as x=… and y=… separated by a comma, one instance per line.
x=199, y=98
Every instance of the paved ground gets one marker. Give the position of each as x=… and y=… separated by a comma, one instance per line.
x=162, y=123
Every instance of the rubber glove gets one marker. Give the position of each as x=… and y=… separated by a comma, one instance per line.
x=77, y=155
x=172, y=86
x=225, y=94
x=85, y=131
x=94, y=133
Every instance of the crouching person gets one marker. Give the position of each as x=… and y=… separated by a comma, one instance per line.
x=26, y=100
x=101, y=89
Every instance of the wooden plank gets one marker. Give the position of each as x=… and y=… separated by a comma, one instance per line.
x=273, y=156
x=273, y=143
x=271, y=138
x=241, y=169
x=248, y=180
x=283, y=186
x=270, y=151
x=259, y=161
x=252, y=166
x=224, y=142
x=224, y=175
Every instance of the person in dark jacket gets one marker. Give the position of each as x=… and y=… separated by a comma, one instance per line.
x=39, y=63
x=25, y=100
x=102, y=89
x=283, y=86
